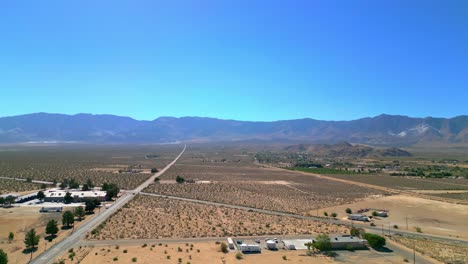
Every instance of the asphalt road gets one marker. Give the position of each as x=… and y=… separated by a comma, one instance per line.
x=73, y=239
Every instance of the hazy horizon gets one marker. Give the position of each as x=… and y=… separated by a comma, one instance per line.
x=214, y=117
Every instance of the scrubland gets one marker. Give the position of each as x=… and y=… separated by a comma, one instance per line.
x=147, y=217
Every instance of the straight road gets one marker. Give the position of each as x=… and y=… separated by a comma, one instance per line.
x=73, y=239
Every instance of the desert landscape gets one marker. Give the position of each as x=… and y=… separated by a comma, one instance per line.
x=147, y=217
x=208, y=252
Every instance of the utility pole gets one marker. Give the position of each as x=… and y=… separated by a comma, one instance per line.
x=414, y=254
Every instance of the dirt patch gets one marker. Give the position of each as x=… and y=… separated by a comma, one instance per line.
x=433, y=217
x=208, y=252
x=19, y=220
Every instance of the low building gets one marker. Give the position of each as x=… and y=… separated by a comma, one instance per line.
x=358, y=217
x=347, y=242
x=57, y=195
x=250, y=248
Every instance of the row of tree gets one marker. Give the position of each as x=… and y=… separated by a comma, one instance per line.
x=31, y=239
x=73, y=184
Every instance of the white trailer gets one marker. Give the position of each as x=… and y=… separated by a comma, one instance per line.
x=358, y=217
x=250, y=248
x=271, y=245
x=230, y=243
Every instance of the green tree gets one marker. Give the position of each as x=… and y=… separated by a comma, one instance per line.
x=10, y=199
x=224, y=247
x=309, y=245
x=68, y=218
x=374, y=213
x=333, y=215
x=322, y=243
x=349, y=211
x=375, y=241
x=43, y=186
x=105, y=186
x=90, y=183
x=31, y=240
x=90, y=205
x=52, y=228
x=154, y=170
x=112, y=191
x=3, y=257
x=40, y=195
x=74, y=184
x=325, y=214
x=79, y=212
x=85, y=187
x=68, y=198
x=355, y=232
x=11, y=236
x=180, y=179
x=63, y=184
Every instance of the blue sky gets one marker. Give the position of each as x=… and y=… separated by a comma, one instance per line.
x=246, y=60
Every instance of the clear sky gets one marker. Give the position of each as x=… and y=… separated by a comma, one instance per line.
x=237, y=59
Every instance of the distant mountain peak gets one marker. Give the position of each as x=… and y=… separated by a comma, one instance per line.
x=389, y=130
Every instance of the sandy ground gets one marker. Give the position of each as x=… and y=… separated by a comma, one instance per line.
x=439, y=191
x=210, y=253
x=20, y=219
x=433, y=217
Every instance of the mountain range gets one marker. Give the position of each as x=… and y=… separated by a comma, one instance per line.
x=386, y=130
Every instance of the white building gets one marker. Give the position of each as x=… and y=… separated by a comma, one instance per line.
x=250, y=248
x=57, y=195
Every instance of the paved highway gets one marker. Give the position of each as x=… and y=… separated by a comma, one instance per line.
x=58, y=249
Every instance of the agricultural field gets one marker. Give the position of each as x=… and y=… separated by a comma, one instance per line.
x=148, y=217
x=99, y=163
x=442, y=251
x=14, y=186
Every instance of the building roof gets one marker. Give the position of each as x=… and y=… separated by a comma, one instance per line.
x=74, y=193
x=345, y=239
